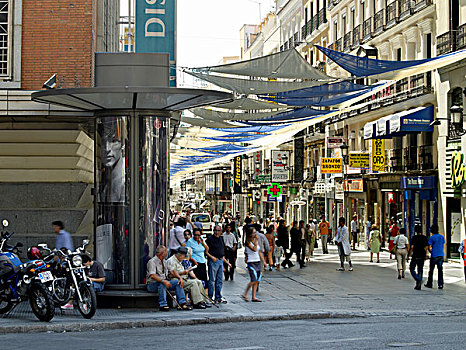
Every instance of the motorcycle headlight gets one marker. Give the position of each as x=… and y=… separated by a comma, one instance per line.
x=77, y=260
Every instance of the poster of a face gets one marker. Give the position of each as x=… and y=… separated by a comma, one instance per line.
x=113, y=161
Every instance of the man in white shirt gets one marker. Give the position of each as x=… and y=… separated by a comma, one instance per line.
x=344, y=248
x=177, y=239
x=230, y=243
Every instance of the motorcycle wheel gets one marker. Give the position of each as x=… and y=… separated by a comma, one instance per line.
x=88, y=306
x=62, y=294
x=5, y=306
x=41, y=302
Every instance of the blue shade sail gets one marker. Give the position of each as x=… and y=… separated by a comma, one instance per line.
x=261, y=129
x=236, y=139
x=319, y=101
x=297, y=114
x=364, y=66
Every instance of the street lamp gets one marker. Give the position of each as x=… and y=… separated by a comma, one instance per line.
x=344, y=152
x=456, y=122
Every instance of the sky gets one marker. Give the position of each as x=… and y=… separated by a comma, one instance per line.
x=208, y=30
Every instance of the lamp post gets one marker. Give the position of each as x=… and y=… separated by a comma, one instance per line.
x=455, y=129
x=344, y=155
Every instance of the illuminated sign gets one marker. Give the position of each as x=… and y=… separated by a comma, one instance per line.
x=275, y=190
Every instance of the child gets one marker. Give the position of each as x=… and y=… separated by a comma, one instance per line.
x=277, y=253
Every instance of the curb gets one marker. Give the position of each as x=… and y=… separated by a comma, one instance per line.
x=112, y=325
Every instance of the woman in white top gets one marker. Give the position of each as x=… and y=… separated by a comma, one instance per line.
x=253, y=257
x=402, y=247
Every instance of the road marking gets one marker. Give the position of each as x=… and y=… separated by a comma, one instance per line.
x=451, y=332
x=343, y=340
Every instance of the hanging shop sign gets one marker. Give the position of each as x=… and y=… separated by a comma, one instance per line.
x=275, y=190
x=418, y=182
x=335, y=142
x=359, y=160
x=458, y=170
x=237, y=174
x=353, y=185
x=270, y=198
x=280, y=169
x=331, y=165
x=378, y=155
x=156, y=30
x=263, y=179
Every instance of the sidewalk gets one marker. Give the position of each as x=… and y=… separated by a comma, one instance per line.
x=317, y=291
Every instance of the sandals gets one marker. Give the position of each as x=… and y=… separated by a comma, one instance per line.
x=256, y=300
x=185, y=307
x=244, y=298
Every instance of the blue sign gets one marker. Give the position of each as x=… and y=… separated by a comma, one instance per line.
x=270, y=198
x=418, y=182
x=156, y=30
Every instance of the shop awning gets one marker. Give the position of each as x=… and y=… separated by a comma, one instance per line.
x=411, y=121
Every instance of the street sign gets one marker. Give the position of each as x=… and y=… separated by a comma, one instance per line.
x=263, y=179
x=280, y=170
x=274, y=199
x=359, y=160
x=237, y=175
x=275, y=190
x=378, y=155
x=335, y=142
x=331, y=165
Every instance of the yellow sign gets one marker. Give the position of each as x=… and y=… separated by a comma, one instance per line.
x=458, y=170
x=378, y=155
x=359, y=160
x=331, y=165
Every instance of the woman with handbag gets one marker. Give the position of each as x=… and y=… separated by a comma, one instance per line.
x=393, y=232
x=375, y=241
x=402, y=247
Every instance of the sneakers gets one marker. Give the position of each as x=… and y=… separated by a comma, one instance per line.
x=67, y=307
x=350, y=269
x=221, y=301
x=199, y=306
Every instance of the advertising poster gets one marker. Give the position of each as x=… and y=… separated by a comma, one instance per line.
x=359, y=160
x=280, y=170
x=378, y=155
x=104, y=245
x=331, y=165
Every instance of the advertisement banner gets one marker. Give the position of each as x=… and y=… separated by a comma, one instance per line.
x=280, y=170
x=378, y=155
x=237, y=174
x=156, y=30
x=353, y=185
x=335, y=142
x=331, y=165
x=359, y=160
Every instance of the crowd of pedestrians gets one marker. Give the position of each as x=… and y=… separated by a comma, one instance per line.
x=199, y=263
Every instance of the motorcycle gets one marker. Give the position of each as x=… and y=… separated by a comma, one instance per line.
x=70, y=279
x=24, y=281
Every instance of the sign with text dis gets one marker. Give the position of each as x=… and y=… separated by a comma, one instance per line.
x=237, y=174
x=359, y=160
x=331, y=165
x=378, y=155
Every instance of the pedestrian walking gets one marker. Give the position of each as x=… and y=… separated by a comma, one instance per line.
x=216, y=258
x=393, y=232
x=418, y=249
x=324, y=227
x=231, y=245
x=375, y=242
x=436, y=243
x=402, y=246
x=344, y=247
x=199, y=248
x=284, y=242
x=462, y=251
x=271, y=240
x=253, y=256
x=368, y=231
x=296, y=243
x=310, y=239
x=63, y=238
x=277, y=254
x=354, y=231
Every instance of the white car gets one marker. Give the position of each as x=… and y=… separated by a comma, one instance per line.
x=205, y=220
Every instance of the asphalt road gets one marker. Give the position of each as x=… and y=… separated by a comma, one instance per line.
x=355, y=333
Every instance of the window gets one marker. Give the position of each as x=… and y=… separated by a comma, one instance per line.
x=398, y=54
x=353, y=18
x=4, y=37
x=335, y=30
x=363, y=11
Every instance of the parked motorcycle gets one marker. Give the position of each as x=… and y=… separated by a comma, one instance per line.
x=70, y=279
x=24, y=281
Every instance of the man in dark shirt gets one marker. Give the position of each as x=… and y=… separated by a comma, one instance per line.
x=418, y=247
x=216, y=258
x=96, y=273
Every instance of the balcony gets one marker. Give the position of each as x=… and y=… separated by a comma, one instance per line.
x=356, y=36
x=347, y=42
x=418, y=5
x=410, y=158
x=391, y=14
x=322, y=16
x=446, y=43
x=304, y=31
x=379, y=26
x=296, y=38
x=404, y=9
x=367, y=30
x=426, y=159
x=337, y=45
x=461, y=37
x=315, y=22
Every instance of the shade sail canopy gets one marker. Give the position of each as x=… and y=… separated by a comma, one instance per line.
x=207, y=123
x=253, y=129
x=246, y=138
x=216, y=115
x=246, y=87
x=287, y=64
x=292, y=115
x=248, y=104
x=383, y=69
x=319, y=101
x=108, y=98
x=411, y=121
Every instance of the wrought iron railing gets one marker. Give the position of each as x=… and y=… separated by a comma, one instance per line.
x=461, y=37
x=296, y=37
x=395, y=160
x=315, y=22
x=404, y=9
x=347, y=42
x=356, y=36
x=304, y=31
x=410, y=158
x=418, y=5
x=337, y=45
x=391, y=15
x=446, y=42
x=367, y=29
x=426, y=159
x=322, y=16
x=378, y=22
